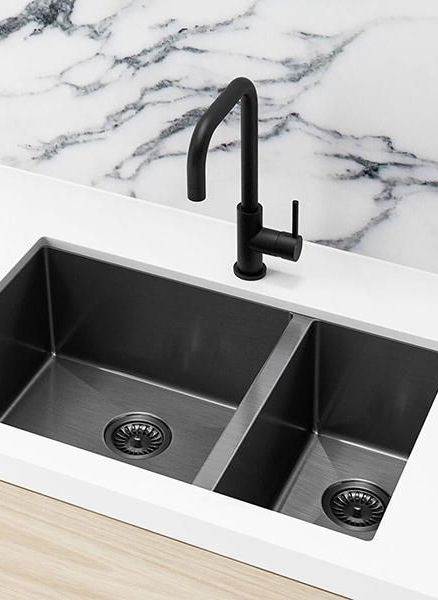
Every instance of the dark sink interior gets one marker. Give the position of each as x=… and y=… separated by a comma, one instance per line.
x=295, y=415
x=347, y=406
x=83, y=341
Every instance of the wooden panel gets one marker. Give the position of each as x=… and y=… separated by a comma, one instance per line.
x=50, y=550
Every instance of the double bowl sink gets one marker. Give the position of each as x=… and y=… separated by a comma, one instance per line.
x=292, y=414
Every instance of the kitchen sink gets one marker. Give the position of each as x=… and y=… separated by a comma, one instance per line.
x=292, y=414
x=331, y=439
x=85, y=344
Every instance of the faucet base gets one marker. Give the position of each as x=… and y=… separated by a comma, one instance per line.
x=249, y=276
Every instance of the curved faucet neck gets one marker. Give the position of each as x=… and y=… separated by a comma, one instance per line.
x=240, y=89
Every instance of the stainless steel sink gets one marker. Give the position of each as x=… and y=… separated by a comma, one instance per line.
x=83, y=342
x=327, y=439
x=294, y=415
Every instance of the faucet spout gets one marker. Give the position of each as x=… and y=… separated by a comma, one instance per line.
x=243, y=90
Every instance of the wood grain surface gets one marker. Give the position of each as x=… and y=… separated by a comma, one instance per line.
x=55, y=551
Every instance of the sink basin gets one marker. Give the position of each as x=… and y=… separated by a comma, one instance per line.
x=330, y=440
x=295, y=415
x=84, y=342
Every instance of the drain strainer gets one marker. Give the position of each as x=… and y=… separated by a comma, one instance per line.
x=137, y=435
x=355, y=504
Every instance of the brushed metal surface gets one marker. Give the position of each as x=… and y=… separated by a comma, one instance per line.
x=373, y=390
x=24, y=329
x=245, y=418
x=183, y=336
x=263, y=406
x=73, y=402
x=83, y=341
x=348, y=405
x=329, y=460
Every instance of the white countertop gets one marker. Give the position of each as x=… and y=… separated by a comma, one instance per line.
x=400, y=562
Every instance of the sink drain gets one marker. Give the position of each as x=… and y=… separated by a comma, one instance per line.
x=355, y=504
x=137, y=435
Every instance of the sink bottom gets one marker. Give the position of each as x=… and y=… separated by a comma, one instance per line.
x=73, y=402
x=329, y=460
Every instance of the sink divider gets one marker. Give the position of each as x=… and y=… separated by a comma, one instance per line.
x=252, y=403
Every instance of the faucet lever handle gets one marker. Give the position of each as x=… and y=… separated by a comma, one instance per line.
x=295, y=239
x=295, y=206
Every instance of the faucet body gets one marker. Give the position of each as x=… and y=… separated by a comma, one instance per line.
x=253, y=240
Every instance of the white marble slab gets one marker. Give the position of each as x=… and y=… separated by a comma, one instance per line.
x=107, y=93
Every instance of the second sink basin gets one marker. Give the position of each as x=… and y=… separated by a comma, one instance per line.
x=330, y=441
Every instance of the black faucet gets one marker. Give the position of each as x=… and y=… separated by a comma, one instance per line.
x=253, y=240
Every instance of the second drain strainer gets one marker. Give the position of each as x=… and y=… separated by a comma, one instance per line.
x=137, y=435
x=355, y=504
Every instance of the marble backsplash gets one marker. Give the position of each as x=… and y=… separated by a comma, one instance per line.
x=106, y=93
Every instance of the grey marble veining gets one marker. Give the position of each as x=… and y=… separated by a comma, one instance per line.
x=107, y=94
